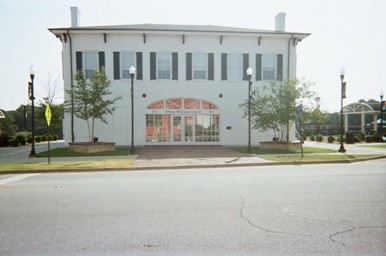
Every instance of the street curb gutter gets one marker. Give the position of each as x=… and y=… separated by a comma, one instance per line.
x=346, y=161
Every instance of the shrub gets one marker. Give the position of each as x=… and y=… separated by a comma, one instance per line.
x=340, y=138
x=376, y=138
x=331, y=139
x=360, y=136
x=38, y=138
x=55, y=137
x=319, y=138
x=49, y=137
x=13, y=141
x=29, y=139
x=369, y=139
x=312, y=138
x=21, y=138
x=44, y=138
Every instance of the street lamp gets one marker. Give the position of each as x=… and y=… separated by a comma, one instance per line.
x=381, y=115
x=343, y=95
x=32, y=98
x=249, y=76
x=132, y=74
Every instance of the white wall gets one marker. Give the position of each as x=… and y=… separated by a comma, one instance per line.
x=234, y=92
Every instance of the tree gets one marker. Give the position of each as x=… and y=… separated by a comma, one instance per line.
x=89, y=99
x=316, y=115
x=273, y=106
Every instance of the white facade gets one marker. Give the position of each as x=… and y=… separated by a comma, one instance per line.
x=216, y=98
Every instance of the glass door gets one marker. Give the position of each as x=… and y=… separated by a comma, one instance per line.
x=176, y=129
x=189, y=128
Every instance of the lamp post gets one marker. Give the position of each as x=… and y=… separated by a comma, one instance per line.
x=132, y=74
x=343, y=95
x=381, y=115
x=249, y=76
x=32, y=98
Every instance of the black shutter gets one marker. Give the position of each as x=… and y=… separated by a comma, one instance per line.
x=117, y=66
x=211, y=66
x=279, y=67
x=188, y=66
x=175, y=66
x=79, y=65
x=153, y=66
x=224, y=66
x=101, y=57
x=245, y=65
x=259, y=58
x=139, y=65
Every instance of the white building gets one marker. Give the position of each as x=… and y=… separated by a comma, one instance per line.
x=189, y=82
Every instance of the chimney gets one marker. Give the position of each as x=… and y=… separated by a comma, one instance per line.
x=75, y=15
x=280, y=22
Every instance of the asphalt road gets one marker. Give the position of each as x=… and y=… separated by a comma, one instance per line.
x=281, y=210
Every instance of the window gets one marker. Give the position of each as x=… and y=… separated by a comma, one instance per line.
x=164, y=65
x=127, y=59
x=90, y=63
x=235, y=66
x=269, y=66
x=199, y=66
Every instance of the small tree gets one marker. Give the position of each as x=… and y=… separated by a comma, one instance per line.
x=89, y=99
x=273, y=106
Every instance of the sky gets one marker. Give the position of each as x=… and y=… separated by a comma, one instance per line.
x=344, y=33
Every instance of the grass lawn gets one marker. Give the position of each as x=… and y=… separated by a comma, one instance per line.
x=65, y=152
x=306, y=150
x=325, y=157
x=115, y=163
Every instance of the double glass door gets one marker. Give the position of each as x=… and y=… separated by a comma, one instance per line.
x=182, y=128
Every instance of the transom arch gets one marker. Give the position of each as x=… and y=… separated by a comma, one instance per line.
x=182, y=104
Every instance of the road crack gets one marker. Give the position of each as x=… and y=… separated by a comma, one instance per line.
x=350, y=230
x=257, y=226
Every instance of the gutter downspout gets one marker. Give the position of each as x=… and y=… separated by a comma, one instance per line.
x=289, y=50
x=72, y=92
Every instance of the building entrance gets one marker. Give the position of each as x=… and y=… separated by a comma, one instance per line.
x=182, y=121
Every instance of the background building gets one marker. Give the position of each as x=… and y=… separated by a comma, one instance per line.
x=189, y=82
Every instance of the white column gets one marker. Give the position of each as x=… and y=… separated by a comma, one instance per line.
x=375, y=122
x=363, y=122
x=345, y=122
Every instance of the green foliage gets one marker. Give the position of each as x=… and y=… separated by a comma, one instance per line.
x=331, y=139
x=89, y=99
x=273, y=106
x=319, y=138
x=21, y=137
x=49, y=137
x=13, y=141
x=55, y=137
x=312, y=138
x=38, y=138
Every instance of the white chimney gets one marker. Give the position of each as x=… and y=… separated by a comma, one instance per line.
x=75, y=16
x=280, y=22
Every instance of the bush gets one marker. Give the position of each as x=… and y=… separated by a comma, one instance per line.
x=21, y=138
x=49, y=137
x=44, y=138
x=312, y=138
x=359, y=136
x=29, y=139
x=319, y=138
x=369, y=139
x=331, y=139
x=340, y=138
x=38, y=138
x=377, y=138
x=13, y=141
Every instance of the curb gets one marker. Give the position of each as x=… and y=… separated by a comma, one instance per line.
x=150, y=168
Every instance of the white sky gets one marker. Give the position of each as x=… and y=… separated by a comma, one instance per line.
x=348, y=33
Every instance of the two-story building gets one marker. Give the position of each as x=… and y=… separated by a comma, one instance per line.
x=190, y=79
